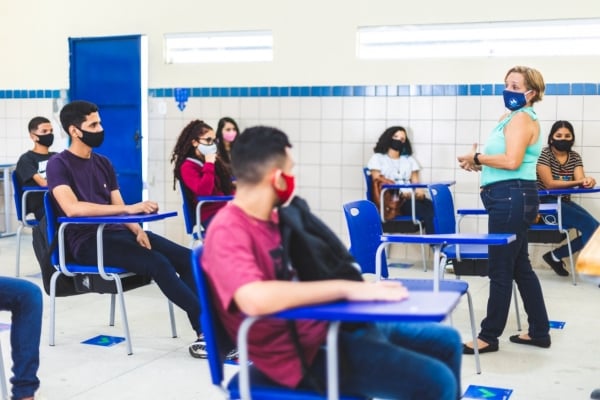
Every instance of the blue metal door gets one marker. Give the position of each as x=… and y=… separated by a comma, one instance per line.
x=108, y=72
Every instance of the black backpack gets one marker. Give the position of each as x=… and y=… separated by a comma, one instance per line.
x=311, y=248
x=65, y=285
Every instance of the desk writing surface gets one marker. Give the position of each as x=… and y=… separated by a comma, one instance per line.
x=419, y=306
x=419, y=185
x=452, y=238
x=119, y=219
x=573, y=190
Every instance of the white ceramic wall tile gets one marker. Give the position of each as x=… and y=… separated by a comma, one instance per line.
x=292, y=128
x=310, y=153
x=444, y=131
x=444, y=107
x=289, y=107
x=423, y=154
x=546, y=109
x=421, y=107
x=308, y=175
x=353, y=178
x=230, y=107
x=398, y=109
x=331, y=154
x=13, y=108
x=352, y=131
x=420, y=131
x=352, y=154
x=375, y=107
x=374, y=129
x=2, y=110
x=468, y=108
x=310, y=108
x=590, y=136
x=349, y=195
x=443, y=156
x=331, y=130
x=492, y=107
x=333, y=219
x=467, y=132
x=591, y=108
x=312, y=195
x=332, y=108
x=248, y=108
x=310, y=130
x=569, y=107
x=268, y=107
x=353, y=108
x=331, y=177
x=193, y=110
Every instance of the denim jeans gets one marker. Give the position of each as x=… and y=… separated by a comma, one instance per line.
x=397, y=361
x=512, y=206
x=574, y=216
x=24, y=300
x=163, y=263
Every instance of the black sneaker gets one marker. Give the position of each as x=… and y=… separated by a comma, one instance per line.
x=233, y=355
x=557, y=266
x=198, y=348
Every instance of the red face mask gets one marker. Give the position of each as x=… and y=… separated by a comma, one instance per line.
x=285, y=194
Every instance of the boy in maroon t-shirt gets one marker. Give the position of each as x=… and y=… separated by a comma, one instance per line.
x=241, y=255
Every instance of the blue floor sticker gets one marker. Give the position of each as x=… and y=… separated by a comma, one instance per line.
x=104, y=340
x=4, y=327
x=400, y=265
x=485, y=392
x=557, y=324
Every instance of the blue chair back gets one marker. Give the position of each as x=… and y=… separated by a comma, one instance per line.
x=17, y=194
x=51, y=225
x=369, y=183
x=365, y=230
x=189, y=215
x=444, y=220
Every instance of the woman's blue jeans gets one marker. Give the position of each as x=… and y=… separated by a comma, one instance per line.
x=512, y=207
x=574, y=216
x=24, y=300
x=397, y=361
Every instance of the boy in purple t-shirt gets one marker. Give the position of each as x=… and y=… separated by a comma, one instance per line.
x=85, y=184
x=243, y=251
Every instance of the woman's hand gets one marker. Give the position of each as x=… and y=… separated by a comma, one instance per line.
x=588, y=182
x=467, y=161
x=142, y=239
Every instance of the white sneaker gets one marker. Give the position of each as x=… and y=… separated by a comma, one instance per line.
x=198, y=348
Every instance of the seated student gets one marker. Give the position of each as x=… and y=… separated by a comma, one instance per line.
x=84, y=183
x=227, y=132
x=242, y=255
x=559, y=167
x=31, y=167
x=393, y=163
x=24, y=300
x=199, y=168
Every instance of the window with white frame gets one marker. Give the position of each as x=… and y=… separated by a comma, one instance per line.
x=215, y=47
x=568, y=37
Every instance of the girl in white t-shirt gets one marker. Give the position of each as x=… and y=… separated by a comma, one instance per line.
x=393, y=160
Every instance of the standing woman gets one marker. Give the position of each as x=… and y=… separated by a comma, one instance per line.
x=199, y=168
x=227, y=132
x=559, y=167
x=509, y=194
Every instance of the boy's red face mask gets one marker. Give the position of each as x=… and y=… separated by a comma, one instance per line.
x=284, y=194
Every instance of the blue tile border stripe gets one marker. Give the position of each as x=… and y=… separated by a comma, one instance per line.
x=484, y=89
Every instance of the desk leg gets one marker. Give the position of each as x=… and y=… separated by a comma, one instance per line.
x=7, y=195
x=332, y=361
x=382, y=246
x=436, y=267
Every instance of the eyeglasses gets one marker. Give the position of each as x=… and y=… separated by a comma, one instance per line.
x=207, y=140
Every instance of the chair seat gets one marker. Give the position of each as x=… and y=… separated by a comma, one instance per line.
x=446, y=285
x=92, y=269
x=471, y=251
x=31, y=222
x=264, y=388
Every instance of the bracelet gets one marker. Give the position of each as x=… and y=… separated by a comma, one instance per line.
x=476, y=159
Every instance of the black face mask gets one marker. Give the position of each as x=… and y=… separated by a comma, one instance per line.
x=563, y=145
x=92, y=139
x=45, y=140
x=397, y=145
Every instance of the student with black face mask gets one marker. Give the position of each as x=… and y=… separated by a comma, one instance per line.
x=394, y=163
x=559, y=167
x=31, y=167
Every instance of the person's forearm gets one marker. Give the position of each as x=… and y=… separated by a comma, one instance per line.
x=85, y=209
x=500, y=161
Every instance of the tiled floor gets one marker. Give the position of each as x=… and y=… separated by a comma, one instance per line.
x=161, y=368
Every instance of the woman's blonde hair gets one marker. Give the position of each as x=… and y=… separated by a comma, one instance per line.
x=533, y=80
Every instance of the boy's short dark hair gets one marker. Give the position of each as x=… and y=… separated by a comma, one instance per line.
x=255, y=149
x=35, y=122
x=75, y=113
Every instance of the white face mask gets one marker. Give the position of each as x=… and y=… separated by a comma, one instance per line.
x=207, y=149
